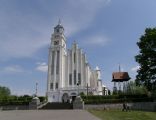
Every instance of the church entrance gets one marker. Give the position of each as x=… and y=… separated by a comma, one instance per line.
x=65, y=98
x=73, y=96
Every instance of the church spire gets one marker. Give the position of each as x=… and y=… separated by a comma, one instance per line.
x=119, y=68
x=59, y=22
x=59, y=28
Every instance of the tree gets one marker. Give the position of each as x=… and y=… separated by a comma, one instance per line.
x=146, y=58
x=4, y=91
x=132, y=88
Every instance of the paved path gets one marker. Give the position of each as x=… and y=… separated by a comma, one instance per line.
x=46, y=115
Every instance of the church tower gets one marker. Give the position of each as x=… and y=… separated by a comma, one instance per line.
x=57, y=58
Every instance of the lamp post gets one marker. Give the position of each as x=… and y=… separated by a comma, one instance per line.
x=78, y=87
x=36, y=89
x=87, y=89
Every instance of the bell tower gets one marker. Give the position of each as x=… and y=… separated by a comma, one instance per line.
x=58, y=38
x=57, y=58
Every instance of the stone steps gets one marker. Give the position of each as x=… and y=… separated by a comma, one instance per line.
x=57, y=105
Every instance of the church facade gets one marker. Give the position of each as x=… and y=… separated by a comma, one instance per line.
x=69, y=73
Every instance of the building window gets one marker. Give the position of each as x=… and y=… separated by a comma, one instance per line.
x=56, y=42
x=79, y=78
x=57, y=30
x=51, y=86
x=74, y=57
x=70, y=79
x=53, y=60
x=56, y=85
x=74, y=77
x=57, y=65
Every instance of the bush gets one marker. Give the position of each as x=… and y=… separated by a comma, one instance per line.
x=15, y=100
x=116, y=99
x=42, y=99
x=18, y=100
x=7, y=102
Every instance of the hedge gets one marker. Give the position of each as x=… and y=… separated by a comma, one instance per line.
x=18, y=100
x=3, y=103
x=115, y=99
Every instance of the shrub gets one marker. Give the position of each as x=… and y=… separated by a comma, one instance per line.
x=42, y=98
x=116, y=99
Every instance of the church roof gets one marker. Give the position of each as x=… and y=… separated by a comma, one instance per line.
x=59, y=25
x=120, y=76
x=97, y=68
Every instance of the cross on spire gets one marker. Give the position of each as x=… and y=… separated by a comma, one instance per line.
x=119, y=68
x=59, y=22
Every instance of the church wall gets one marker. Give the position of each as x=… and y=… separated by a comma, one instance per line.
x=54, y=73
x=76, y=62
x=72, y=70
x=94, y=79
x=70, y=75
x=83, y=69
x=100, y=87
x=61, y=69
x=88, y=75
x=49, y=70
x=66, y=71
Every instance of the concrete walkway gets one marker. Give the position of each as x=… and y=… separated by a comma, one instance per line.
x=46, y=115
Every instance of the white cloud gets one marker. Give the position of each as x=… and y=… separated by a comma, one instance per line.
x=81, y=14
x=13, y=69
x=99, y=40
x=134, y=69
x=42, y=67
x=23, y=33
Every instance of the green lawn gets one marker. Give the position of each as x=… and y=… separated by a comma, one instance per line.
x=120, y=115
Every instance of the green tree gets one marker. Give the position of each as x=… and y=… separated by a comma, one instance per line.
x=147, y=60
x=4, y=91
x=132, y=88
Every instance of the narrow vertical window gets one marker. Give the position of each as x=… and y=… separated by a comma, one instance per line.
x=52, y=66
x=51, y=86
x=74, y=57
x=70, y=79
x=79, y=78
x=74, y=77
x=56, y=85
x=57, y=65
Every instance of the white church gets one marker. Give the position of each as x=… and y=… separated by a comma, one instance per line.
x=69, y=73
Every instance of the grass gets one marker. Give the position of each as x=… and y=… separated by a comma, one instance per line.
x=120, y=115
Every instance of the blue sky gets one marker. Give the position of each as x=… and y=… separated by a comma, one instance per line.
x=107, y=31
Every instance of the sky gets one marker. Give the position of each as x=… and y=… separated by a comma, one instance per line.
x=106, y=30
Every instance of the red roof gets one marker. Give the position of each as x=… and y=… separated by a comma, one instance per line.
x=120, y=76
